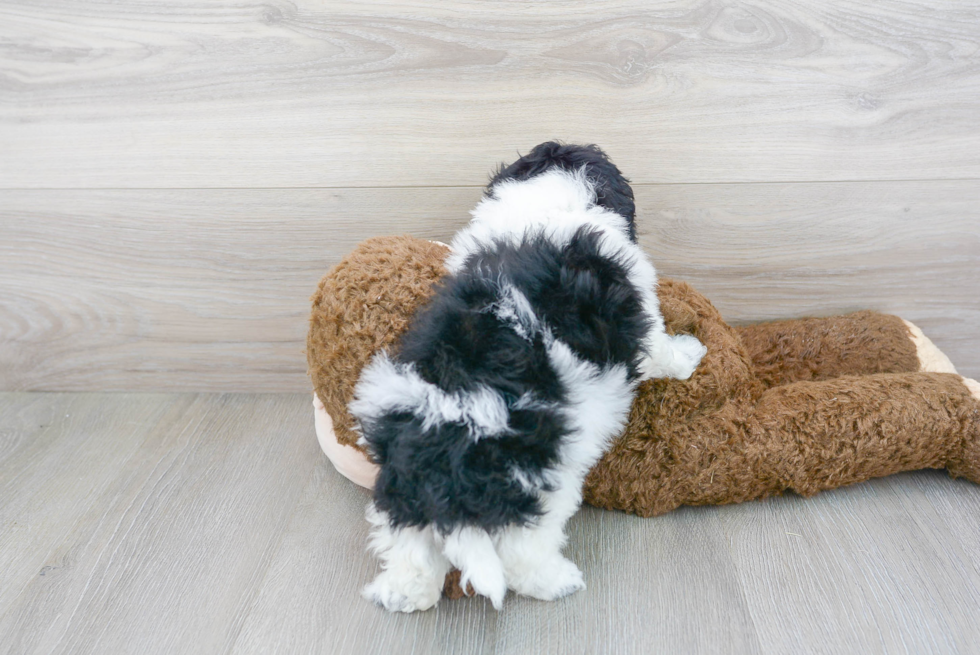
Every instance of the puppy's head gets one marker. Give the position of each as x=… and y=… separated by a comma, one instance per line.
x=612, y=189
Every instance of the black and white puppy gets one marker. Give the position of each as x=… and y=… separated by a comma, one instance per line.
x=511, y=382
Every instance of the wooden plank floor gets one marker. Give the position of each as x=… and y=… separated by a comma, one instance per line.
x=211, y=523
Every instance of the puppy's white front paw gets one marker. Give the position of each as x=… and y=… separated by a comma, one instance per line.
x=549, y=580
x=688, y=352
x=402, y=593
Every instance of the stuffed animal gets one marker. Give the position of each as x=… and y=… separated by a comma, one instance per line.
x=801, y=405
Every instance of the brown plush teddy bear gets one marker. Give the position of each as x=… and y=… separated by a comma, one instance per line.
x=802, y=405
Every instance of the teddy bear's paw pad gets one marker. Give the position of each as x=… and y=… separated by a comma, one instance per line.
x=551, y=580
x=402, y=593
x=688, y=352
x=931, y=358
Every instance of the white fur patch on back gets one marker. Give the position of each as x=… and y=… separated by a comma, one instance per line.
x=513, y=308
x=385, y=386
x=598, y=404
x=554, y=204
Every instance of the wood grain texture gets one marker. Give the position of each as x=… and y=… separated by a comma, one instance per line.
x=767, y=252
x=294, y=94
x=166, y=551
x=60, y=454
x=208, y=290
x=152, y=523
x=181, y=290
x=910, y=587
x=310, y=600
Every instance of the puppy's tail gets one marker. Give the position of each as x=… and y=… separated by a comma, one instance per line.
x=471, y=551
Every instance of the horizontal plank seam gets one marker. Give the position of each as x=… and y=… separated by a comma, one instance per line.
x=476, y=186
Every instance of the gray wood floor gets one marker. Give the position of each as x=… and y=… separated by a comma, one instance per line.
x=211, y=523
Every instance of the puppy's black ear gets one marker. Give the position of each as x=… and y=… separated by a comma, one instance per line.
x=613, y=191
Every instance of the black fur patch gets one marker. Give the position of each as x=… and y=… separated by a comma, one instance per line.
x=586, y=298
x=442, y=476
x=613, y=191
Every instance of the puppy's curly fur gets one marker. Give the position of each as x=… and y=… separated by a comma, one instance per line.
x=510, y=384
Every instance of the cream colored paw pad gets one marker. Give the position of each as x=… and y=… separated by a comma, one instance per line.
x=350, y=462
x=973, y=386
x=931, y=358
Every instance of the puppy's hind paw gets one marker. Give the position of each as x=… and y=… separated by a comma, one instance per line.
x=551, y=580
x=405, y=595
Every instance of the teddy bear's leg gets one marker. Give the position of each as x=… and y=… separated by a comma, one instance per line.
x=967, y=465
x=414, y=568
x=531, y=555
x=813, y=349
x=811, y=436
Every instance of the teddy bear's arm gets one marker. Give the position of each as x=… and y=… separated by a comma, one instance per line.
x=814, y=349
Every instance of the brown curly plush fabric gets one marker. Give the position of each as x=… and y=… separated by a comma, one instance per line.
x=730, y=435
x=789, y=406
x=360, y=306
x=826, y=348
